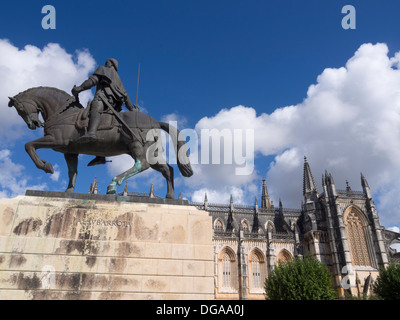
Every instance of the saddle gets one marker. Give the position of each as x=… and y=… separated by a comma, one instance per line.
x=138, y=122
x=107, y=121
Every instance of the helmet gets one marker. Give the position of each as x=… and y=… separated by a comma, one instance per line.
x=114, y=62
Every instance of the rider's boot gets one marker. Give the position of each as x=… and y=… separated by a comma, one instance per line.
x=96, y=161
x=94, y=122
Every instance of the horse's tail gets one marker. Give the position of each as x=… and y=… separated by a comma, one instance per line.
x=181, y=151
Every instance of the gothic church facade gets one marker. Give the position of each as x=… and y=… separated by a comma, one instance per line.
x=340, y=228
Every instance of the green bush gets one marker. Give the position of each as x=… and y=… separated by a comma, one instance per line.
x=387, y=284
x=303, y=279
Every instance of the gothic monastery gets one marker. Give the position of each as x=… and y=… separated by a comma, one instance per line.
x=340, y=228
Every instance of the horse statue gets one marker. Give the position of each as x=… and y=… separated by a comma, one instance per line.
x=62, y=115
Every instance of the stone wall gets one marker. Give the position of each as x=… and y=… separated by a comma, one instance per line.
x=90, y=248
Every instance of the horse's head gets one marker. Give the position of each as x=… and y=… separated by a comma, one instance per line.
x=27, y=110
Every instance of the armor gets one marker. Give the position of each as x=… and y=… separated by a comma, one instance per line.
x=109, y=91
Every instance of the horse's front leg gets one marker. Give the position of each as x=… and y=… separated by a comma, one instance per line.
x=44, y=142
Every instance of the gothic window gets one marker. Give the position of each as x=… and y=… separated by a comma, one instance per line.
x=257, y=268
x=356, y=228
x=227, y=271
x=284, y=256
x=218, y=225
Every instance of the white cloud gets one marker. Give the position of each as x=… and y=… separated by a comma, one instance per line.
x=233, y=150
x=124, y=162
x=180, y=120
x=348, y=122
x=24, y=68
x=56, y=175
x=219, y=196
x=395, y=246
x=119, y=164
x=395, y=229
x=21, y=69
x=13, y=178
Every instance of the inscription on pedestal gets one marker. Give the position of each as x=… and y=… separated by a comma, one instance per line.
x=104, y=223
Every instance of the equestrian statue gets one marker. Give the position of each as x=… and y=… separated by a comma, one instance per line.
x=100, y=129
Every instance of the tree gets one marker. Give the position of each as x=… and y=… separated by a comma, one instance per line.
x=303, y=279
x=387, y=284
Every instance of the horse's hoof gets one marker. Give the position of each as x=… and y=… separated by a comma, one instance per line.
x=48, y=168
x=170, y=196
x=69, y=190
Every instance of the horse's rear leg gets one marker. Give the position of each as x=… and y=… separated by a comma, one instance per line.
x=72, y=163
x=140, y=165
x=168, y=173
x=137, y=152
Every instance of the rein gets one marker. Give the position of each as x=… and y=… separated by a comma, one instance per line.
x=55, y=119
x=35, y=106
x=30, y=99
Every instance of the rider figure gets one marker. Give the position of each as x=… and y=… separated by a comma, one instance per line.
x=109, y=91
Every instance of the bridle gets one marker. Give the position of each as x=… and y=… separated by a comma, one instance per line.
x=32, y=117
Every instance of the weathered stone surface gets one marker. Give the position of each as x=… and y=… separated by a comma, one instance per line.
x=88, y=247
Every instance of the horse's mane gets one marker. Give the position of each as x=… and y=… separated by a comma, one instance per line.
x=59, y=91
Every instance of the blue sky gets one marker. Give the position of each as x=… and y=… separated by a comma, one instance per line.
x=207, y=55
x=200, y=57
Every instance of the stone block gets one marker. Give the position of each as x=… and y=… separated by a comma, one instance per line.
x=194, y=268
x=103, y=247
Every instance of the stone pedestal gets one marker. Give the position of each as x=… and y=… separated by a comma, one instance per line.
x=79, y=246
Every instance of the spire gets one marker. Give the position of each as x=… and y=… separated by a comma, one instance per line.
x=94, y=186
x=279, y=219
x=364, y=181
x=348, y=189
x=229, y=222
x=331, y=179
x=151, y=195
x=255, y=218
x=309, y=186
x=328, y=178
x=126, y=189
x=205, y=201
x=265, y=199
x=365, y=187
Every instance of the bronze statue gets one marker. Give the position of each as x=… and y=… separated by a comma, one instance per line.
x=110, y=95
x=119, y=133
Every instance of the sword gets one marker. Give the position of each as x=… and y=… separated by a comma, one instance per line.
x=137, y=87
x=86, y=112
x=133, y=134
